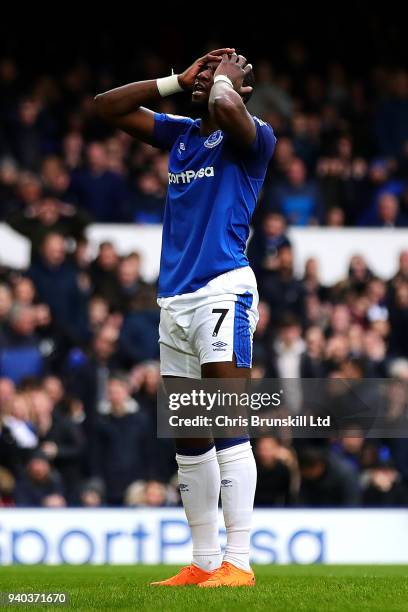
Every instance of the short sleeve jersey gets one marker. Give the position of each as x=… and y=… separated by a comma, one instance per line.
x=212, y=193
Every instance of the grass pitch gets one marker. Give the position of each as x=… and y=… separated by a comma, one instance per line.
x=279, y=588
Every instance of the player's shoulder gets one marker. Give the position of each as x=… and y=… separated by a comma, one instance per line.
x=176, y=119
x=262, y=123
x=265, y=133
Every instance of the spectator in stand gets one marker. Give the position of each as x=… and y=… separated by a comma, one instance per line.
x=282, y=291
x=72, y=148
x=266, y=241
x=276, y=467
x=8, y=185
x=123, y=439
x=98, y=313
x=55, y=177
x=7, y=486
x=92, y=493
x=262, y=340
x=28, y=134
x=358, y=276
x=12, y=452
x=384, y=487
x=60, y=439
x=386, y=212
x=145, y=381
x=139, y=337
x=23, y=291
x=48, y=216
x=101, y=192
x=296, y=197
x=402, y=272
x=399, y=321
x=326, y=480
x=20, y=350
x=335, y=217
x=87, y=378
x=359, y=453
x=282, y=158
x=150, y=199
x=103, y=272
x=269, y=96
x=6, y=302
x=152, y=493
x=312, y=365
x=40, y=485
x=56, y=283
x=17, y=417
x=28, y=190
x=7, y=391
x=311, y=280
x=130, y=283
x=306, y=133
x=391, y=120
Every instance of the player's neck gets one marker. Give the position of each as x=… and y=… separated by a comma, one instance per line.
x=208, y=125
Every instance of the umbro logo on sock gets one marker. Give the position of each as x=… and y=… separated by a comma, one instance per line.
x=183, y=487
x=226, y=483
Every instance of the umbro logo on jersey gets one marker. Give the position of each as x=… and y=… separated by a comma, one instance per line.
x=191, y=175
x=219, y=344
x=214, y=139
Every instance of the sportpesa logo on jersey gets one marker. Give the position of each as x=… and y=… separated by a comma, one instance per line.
x=191, y=175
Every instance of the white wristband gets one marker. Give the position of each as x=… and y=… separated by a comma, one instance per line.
x=168, y=85
x=223, y=77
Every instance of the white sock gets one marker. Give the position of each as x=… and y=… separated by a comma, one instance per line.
x=238, y=483
x=199, y=480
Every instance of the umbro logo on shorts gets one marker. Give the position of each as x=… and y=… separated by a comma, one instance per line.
x=219, y=344
x=183, y=487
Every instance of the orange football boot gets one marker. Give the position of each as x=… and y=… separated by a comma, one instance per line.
x=191, y=574
x=229, y=576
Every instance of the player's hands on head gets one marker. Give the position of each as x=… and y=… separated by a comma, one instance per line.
x=187, y=78
x=235, y=67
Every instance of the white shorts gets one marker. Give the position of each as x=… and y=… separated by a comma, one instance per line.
x=213, y=324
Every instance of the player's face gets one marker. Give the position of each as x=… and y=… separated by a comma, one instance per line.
x=203, y=83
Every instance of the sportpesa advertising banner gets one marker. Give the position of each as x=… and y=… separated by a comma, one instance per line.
x=124, y=536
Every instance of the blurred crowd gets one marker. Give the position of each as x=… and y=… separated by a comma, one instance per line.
x=78, y=334
x=341, y=157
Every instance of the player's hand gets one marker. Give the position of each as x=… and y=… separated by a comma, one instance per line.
x=187, y=78
x=235, y=67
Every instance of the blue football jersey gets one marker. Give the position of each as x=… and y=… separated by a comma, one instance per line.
x=212, y=193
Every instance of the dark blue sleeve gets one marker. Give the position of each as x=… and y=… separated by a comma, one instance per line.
x=167, y=128
x=257, y=158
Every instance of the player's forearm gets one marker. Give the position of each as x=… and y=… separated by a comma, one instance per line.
x=224, y=104
x=126, y=99
x=230, y=114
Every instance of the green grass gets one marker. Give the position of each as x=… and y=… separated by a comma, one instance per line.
x=279, y=588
